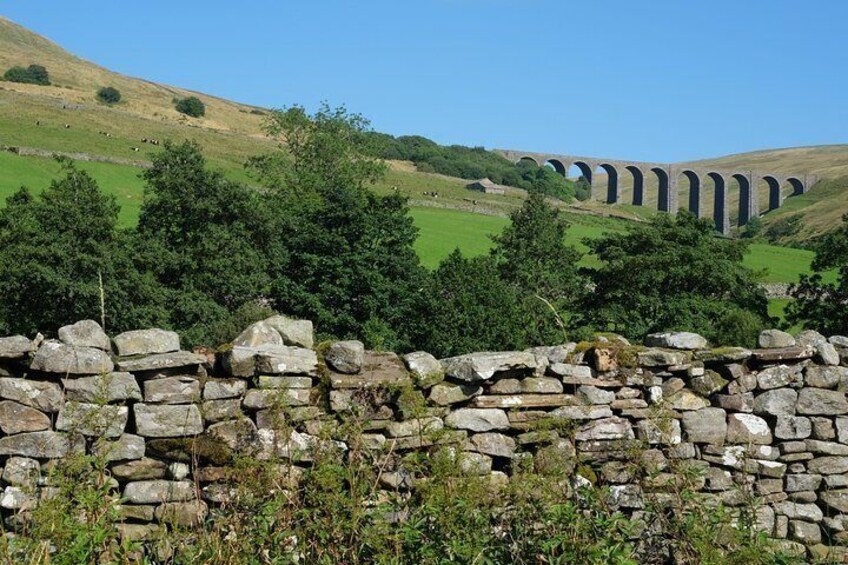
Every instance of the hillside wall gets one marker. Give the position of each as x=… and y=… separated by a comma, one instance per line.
x=769, y=423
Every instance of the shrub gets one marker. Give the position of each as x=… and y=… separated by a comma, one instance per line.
x=191, y=106
x=109, y=95
x=34, y=74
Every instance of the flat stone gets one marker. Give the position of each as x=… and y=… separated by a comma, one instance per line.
x=828, y=465
x=85, y=333
x=345, y=356
x=707, y=425
x=127, y=447
x=523, y=401
x=376, y=370
x=782, y=354
x=217, y=389
x=22, y=472
x=161, y=361
x=686, y=400
x=141, y=469
x=581, y=412
x=15, y=347
x=294, y=332
x=778, y=376
x=594, y=395
x=426, y=370
x=800, y=483
x=708, y=384
x=477, y=419
x=826, y=447
x=16, y=498
x=724, y=355
x=41, y=395
x=258, y=334
x=571, y=371
x=38, y=445
x=822, y=402
x=158, y=491
x=172, y=390
x=16, y=418
x=809, y=337
x=828, y=354
x=660, y=432
x=777, y=402
x=135, y=512
x=836, y=500
x=743, y=402
x=483, y=366
x=613, y=428
x=55, y=357
x=415, y=427
x=662, y=358
x=825, y=377
x=748, y=429
x=93, y=419
x=258, y=399
x=182, y=514
x=541, y=385
x=218, y=410
x=111, y=387
x=146, y=342
x=167, y=420
x=805, y=532
x=793, y=427
x=446, y=394
x=676, y=340
x=494, y=444
x=239, y=435
x=775, y=338
x=793, y=510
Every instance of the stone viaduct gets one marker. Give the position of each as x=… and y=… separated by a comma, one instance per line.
x=668, y=175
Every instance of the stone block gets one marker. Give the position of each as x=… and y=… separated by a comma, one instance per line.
x=172, y=390
x=16, y=418
x=95, y=420
x=85, y=333
x=158, y=491
x=56, y=357
x=707, y=425
x=162, y=421
x=146, y=342
x=483, y=366
x=748, y=429
x=477, y=419
x=111, y=387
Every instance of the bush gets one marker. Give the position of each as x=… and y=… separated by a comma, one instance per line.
x=191, y=106
x=109, y=95
x=34, y=74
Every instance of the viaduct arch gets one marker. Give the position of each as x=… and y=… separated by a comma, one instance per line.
x=668, y=176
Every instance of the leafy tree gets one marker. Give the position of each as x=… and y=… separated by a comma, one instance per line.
x=582, y=189
x=818, y=304
x=191, y=106
x=34, y=74
x=533, y=257
x=56, y=248
x=351, y=265
x=109, y=95
x=206, y=239
x=674, y=274
x=470, y=308
x=753, y=229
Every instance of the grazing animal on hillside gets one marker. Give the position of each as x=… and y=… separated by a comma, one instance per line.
x=67, y=126
x=135, y=149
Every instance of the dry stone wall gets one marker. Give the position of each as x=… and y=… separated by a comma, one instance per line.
x=772, y=420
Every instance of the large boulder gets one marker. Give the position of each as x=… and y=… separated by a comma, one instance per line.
x=483, y=366
x=56, y=357
x=146, y=342
x=346, y=356
x=15, y=347
x=676, y=340
x=85, y=333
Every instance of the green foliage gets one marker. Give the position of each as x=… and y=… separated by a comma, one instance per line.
x=55, y=249
x=674, y=274
x=191, y=106
x=818, y=304
x=109, y=95
x=753, y=229
x=533, y=257
x=34, y=74
x=784, y=228
x=582, y=189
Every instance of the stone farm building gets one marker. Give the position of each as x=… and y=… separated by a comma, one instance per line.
x=487, y=186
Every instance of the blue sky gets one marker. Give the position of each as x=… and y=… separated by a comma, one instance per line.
x=655, y=80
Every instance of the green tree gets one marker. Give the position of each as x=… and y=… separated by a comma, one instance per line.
x=206, y=239
x=34, y=74
x=820, y=305
x=109, y=95
x=533, y=257
x=191, y=106
x=39, y=75
x=56, y=248
x=674, y=274
x=470, y=308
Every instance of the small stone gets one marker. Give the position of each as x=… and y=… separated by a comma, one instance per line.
x=22, y=472
x=676, y=340
x=146, y=342
x=660, y=432
x=447, y=394
x=346, y=356
x=828, y=354
x=141, y=469
x=580, y=372
x=15, y=347
x=805, y=532
x=778, y=376
x=793, y=427
x=238, y=435
x=218, y=389
x=218, y=410
x=258, y=334
x=182, y=514
x=825, y=377
x=707, y=425
x=157, y=491
x=38, y=445
x=111, y=387
x=415, y=427
x=294, y=332
x=167, y=420
x=582, y=412
x=258, y=399
x=85, y=333
x=613, y=428
x=96, y=420
x=736, y=402
x=425, y=369
x=828, y=465
x=686, y=400
x=775, y=338
x=708, y=384
x=819, y=401
x=483, y=366
x=55, y=357
x=477, y=419
x=494, y=444
x=834, y=499
x=41, y=395
x=594, y=395
x=16, y=418
x=809, y=338
x=748, y=429
x=172, y=390
x=127, y=447
x=662, y=358
x=777, y=402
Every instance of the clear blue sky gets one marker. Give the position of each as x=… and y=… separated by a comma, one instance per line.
x=652, y=79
